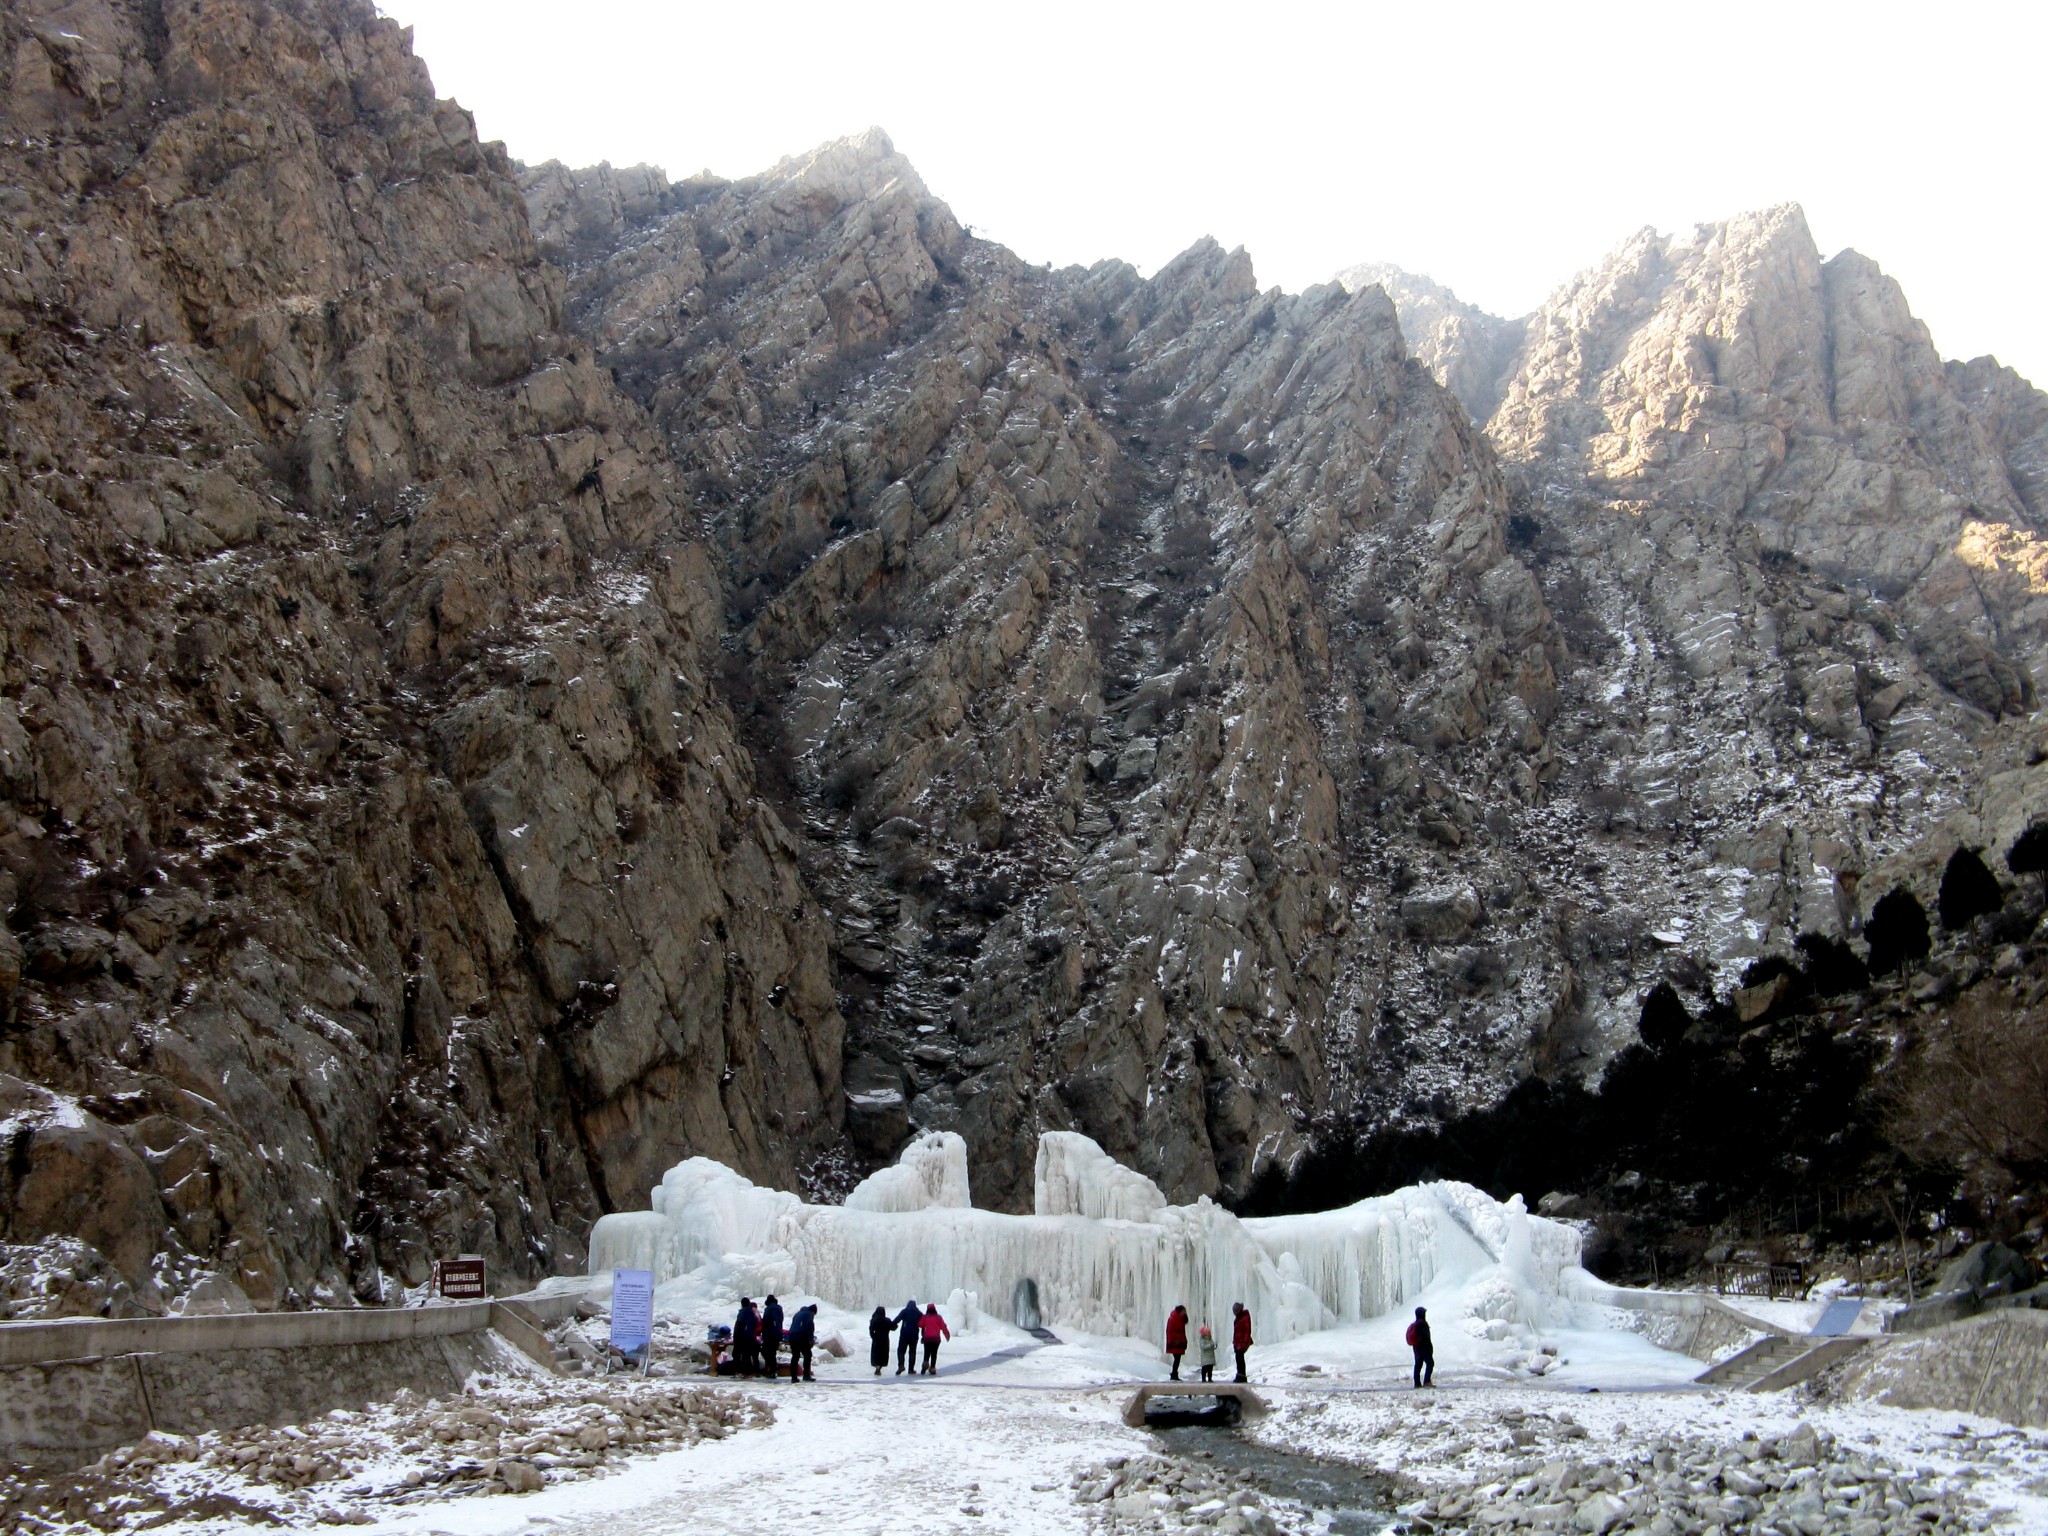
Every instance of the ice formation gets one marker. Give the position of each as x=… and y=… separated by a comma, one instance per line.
x=1103, y=1253
x=930, y=1175
x=1075, y=1177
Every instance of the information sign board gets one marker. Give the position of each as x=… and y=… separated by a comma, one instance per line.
x=460, y=1279
x=632, y=1311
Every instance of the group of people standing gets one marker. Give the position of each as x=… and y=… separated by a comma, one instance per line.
x=1177, y=1340
x=1419, y=1342
x=758, y=1337
x=910, y=1328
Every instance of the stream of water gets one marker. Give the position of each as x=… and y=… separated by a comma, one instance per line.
x=1356, y=1502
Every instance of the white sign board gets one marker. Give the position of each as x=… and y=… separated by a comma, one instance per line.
x=632, y=1310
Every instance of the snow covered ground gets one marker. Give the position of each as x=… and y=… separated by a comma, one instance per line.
x=1004, y=1445
x=1019, y=1436
x=1476, y=1448
x=1550, y=1410
x=846, y=1461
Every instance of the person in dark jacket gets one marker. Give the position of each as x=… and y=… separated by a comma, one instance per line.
x=771, y=1334
x=1176, y=1339
x=1240, y=1334
x=879, y=1328
x=803, y=1334
x=933, y=1328
x=746, y=1339
x=906, y=1337
x=1425, y=1349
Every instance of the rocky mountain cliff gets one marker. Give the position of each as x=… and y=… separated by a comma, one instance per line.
x=384, y=877
x=1143, y=659
x=1768, y=512
x=514, y=676
x=1788, y=670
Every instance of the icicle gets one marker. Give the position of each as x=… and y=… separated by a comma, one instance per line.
x=1105, y=1253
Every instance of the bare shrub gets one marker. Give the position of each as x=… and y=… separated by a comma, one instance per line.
x=1972, y=1092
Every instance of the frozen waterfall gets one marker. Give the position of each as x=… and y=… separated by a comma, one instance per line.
x=1105, y=1253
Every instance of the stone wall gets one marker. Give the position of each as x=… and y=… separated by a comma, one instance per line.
x=1996, y=1365
x=71, y=1391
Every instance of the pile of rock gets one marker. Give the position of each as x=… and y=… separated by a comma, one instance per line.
x=520, y=1443
x=1800, y=1483
x=126, y=1488
x=1150, y=1493
x=512, y=1438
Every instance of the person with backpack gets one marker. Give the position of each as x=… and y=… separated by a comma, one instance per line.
x=906, y=1336
x=933, y=1328
x=880, y=1326
x=803, y=1336
x=771, y=1335
x=746, y=1339
x=1207, y=1346
x=1240, y=1335
x=1176, y=1339
x=1425, y=1350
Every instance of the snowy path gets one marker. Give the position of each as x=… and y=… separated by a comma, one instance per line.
x=961, y=1367
x=838, y=1463
x=985, y=1458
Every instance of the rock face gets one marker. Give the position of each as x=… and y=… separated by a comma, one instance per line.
x=383, y=876
x=1798, y=562
x=1471, y=352
x=1124, y=647
x=1170, y=689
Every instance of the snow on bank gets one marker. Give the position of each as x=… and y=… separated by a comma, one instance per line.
x=1104, y=1254
x=1485, y=1458
x=517, y=1432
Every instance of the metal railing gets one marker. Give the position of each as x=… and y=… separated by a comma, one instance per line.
x=1779, y=1282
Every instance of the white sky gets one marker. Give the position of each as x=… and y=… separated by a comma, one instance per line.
x=1496, y=147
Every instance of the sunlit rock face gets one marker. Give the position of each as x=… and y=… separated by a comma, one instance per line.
x=1797, y=559
x=1202, y=739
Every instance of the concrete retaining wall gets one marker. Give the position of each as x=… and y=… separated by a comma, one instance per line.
x=84, y=1338
x=1996, y=1365
x=1689, y=1322
x=74, y=1389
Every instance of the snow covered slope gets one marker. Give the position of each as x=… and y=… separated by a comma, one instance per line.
x=1502, y=1270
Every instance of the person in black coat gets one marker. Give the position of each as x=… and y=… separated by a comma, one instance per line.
x=879, y=1328
x=803, y=1335
x=1424, y=1347
x=906, y=1337
x=746, y=1339
x=771, y=1334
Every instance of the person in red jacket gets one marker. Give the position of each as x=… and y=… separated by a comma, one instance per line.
x=1240, y=1335
x=1176, y=1338
x=933, y=1328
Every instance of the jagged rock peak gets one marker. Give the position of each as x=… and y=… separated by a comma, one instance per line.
x=1469, y=350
